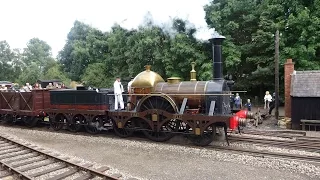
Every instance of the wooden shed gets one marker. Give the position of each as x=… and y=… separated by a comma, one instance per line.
x=305, y=97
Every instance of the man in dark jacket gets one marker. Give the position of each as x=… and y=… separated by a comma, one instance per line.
x=273, y=103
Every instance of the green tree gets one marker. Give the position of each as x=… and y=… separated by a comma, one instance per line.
x=8, y=62
x=85, y=45
x=249, y=26
x=147, y=46
x=54, y=72
x=118, y=52
x=237, y=21
x=183, y=49
x=95, y=76
x=37, y=51
x=30, y=74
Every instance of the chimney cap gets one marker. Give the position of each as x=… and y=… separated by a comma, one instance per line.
x=216, y=35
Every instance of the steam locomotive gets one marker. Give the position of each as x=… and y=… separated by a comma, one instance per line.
x=157, y=108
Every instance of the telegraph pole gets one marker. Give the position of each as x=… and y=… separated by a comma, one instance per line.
x=276, y=73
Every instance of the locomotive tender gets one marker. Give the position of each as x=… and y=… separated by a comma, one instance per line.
x=157, y=108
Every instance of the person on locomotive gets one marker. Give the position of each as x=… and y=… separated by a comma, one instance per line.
x=118, y=90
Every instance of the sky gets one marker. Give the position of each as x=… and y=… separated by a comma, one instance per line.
x=51, y=20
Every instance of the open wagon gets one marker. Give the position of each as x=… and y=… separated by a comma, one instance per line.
x=28, y=107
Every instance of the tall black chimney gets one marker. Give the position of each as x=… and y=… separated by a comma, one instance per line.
x=217, y=56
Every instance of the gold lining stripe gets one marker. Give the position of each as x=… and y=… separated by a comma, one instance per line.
x=195, y=87
x=205, y=87
x=162, y=87
x=179, y=87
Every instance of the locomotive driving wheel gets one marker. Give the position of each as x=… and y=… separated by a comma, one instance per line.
x=168, y=128
x=125, y=131
x=206, y=138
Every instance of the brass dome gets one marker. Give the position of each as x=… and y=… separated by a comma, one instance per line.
x=146, y=79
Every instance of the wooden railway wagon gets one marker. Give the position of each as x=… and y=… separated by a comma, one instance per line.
x=28, y=107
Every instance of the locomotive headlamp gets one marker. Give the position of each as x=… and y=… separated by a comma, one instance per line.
x=198, y=122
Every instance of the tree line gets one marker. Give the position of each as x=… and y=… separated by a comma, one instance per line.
x=95, y=57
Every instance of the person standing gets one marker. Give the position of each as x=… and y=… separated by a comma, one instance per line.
x=118, y=90
x=267, y=99
x=273, y=103
x=237, y=101
x=248, y=105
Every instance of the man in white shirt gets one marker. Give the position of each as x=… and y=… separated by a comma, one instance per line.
x=118, y=90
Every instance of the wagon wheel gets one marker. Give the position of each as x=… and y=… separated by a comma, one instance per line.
x=204, y=139
x=8, y=118
x=167, y=130
x=124, y=132
x=30, y=121
x=75, y=124
x=57, y=122
x=94, y=126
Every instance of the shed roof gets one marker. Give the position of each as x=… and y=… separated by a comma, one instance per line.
x=305, y=84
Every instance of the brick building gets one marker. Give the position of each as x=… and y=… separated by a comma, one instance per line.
x=302, y=94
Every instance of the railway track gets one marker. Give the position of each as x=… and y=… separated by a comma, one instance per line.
x=289, y=142
x=298, y=135
x=24, y=161
x=258, y=153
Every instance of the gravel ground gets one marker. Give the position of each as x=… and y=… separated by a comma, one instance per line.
x=163, y=161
